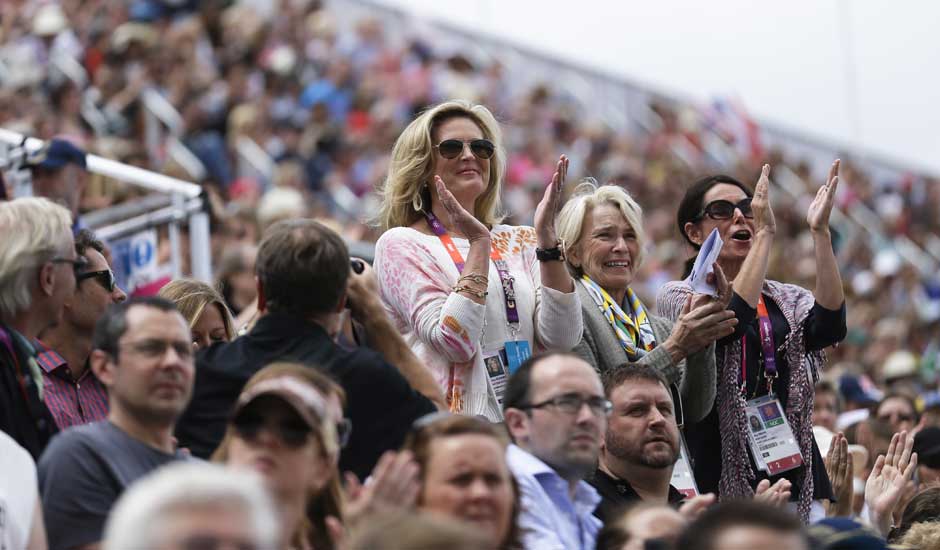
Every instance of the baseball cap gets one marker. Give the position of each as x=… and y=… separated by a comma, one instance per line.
x=309, y=404
x=56, y=154
x=858, y=389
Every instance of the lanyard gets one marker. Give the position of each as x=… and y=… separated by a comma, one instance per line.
x=512, y=313
x=767, y=347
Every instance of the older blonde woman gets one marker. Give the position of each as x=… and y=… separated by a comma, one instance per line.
x=473, y=297
x=602, y=228
x=204, y=309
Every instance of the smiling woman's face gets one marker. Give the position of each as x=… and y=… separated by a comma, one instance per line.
x=465, y=175
x=607, y=249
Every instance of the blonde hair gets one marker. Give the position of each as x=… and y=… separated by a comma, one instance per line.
x=409, y=172
x=588, y=195
x=191, y=297
x=34, y=231
x=924, y=535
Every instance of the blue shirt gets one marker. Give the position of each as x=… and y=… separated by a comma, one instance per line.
x=549, y=519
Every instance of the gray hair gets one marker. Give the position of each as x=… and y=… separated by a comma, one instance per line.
x=34, y=231
x=587, y=195
x=138, y=520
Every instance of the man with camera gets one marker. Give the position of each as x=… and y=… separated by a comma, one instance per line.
x=304, y=285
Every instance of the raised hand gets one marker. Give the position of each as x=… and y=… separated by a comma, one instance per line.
x=888, y=480
x=460, y=220
x=393, y=484
x=819, y=210
x=839, y=464
x=760, y=204
x=777, y=494
x=548, y=207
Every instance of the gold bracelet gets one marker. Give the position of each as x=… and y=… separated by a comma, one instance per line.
x=470, y=291
x=476, y=278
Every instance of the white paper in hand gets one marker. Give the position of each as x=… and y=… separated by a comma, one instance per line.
x=704, y=264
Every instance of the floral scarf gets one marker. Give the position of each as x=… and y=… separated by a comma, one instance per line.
x=632, y=328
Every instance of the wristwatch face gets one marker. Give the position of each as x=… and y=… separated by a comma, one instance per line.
x=548, y=254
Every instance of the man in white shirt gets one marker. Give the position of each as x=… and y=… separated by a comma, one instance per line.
x=556, y=413
x=21, y=523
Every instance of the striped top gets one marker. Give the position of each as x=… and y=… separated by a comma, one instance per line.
x=71, y=402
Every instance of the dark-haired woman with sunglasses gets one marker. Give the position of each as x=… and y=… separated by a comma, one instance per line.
x=473, y=297
x=776, y=348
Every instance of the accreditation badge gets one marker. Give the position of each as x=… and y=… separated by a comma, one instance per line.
x=770, y=437
x=496, y=373
x=682, y=477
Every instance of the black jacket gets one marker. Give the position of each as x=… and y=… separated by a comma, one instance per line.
x=379, y=401
x=23, y=416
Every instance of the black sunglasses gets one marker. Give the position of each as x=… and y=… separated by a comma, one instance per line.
x=452, y=148
x=724, y=210
x=293, y=433
x=105, y=278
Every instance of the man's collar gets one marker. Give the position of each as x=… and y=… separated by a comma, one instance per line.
x=48, y=358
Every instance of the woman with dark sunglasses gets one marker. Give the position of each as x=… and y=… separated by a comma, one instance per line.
x=775, y=350
x=473, y=297
x=288, y=426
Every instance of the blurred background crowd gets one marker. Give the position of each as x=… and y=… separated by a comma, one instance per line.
x=290, y=108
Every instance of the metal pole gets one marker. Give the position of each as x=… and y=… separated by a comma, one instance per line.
x=199, y=247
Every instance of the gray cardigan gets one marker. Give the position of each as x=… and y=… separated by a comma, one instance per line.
x=695, y=375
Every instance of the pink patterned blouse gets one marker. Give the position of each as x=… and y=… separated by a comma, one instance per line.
x=450, y=332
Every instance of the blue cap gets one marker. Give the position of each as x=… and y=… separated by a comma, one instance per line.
x=56, y=154
x=858, y=389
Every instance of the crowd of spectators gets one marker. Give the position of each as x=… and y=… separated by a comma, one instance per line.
x=324, y=98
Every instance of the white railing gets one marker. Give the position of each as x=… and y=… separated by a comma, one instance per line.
x=186, y=205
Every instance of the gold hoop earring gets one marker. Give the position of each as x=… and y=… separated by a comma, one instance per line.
x=417, y=202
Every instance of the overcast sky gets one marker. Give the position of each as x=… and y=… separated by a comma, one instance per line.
x=857, y=72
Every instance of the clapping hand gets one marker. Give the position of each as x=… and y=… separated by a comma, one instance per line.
x=393, y=485
x=760, y=204
x=460, y=220
x=777, y=494
x=839, y=466
x=819, y=210
x=888, y=480
x=547, y=208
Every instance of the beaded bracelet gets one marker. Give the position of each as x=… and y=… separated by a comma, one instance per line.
x=470, y=291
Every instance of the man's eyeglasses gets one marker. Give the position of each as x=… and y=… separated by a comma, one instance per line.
x=105, y=278
x=452, y=148
x=78, y=262
x=293, y=433
x=724, y=210
x=157, y=348
x=571, y=404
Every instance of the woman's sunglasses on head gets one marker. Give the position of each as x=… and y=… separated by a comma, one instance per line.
x=724, y=210
x=452, y=148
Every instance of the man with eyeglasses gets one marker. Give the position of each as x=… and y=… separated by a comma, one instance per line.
x=72, y=392
x=144, y=357
x=556, y=413
x=37, y=276
x=641, y=445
